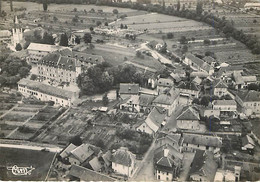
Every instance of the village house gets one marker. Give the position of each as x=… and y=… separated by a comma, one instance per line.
x=220, y=88
x=38, y=51
x=249, y=101
x=248, y=143
x=198, y=64
x=210, y=60
x=173, y=139
x=79, y=173
x=128, y=89
x=189, y=89
x=130, y=104
x=163, y=84
x=123, y=162
x=192, y=142
x=80, y=154
x=203, y=167
x=145, y=103
x=188, y=119
x=225, y=105
x=154, y=121
x=223, y=175
x=241, y=81
x=168, y=101
x=5, y=36
x=167, y=163
x=66, y=151
x=46, y=93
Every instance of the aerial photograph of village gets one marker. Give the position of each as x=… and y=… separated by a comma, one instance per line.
x=130, y=90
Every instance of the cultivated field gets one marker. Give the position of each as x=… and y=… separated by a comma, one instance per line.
x=40, y=161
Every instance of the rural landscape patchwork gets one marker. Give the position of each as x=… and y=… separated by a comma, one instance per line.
x=130, y=90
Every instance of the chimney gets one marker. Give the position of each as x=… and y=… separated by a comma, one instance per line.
x=166, y=152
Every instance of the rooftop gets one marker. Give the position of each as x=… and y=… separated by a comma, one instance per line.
x=249, y=96
x=47, y=89
x=224, y=102
x=205, y=140
x=123, y=156
x=201, y=63
x=44, y=47
x=82, y=152
x=188, y=113
x=85, y=174
x=188, y=85
x=165, y=82
x=129, y=88
x=157, y=115
x=167, y=98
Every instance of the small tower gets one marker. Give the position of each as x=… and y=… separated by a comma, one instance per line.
x=17, y=33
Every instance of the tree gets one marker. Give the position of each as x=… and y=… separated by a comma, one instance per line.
x=199, y=8
x=184, y=49
x=254, y=21
x=205, y=101
x=106, y=24
x=196, y=101
x=183, y=7
x=76, y=140
x=183, y=40
x=105, y=100
x=18, y=47
x=121, y=26
x=77, y=40
x=91, y=29
x=169, y=35
x=11, y=5
x=45, y=5
x=64, y=40
x=253, y=86
x=115, y=11
x=48, y=39
x=55, y=19
x=206, y=42
x=178, y=6
x=23, y=71
x=75, y=19
x=87, y=38
x=33, y=77
x=98, y=23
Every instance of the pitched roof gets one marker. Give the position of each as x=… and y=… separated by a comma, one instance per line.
x=5, y=33
x=224, y=102
x=167, y=98
x=47, y=89
x=156, y=116
x=82, y=57
x=201, y=63
x=56, y=60
x=197, y=80
x=249, y=78
x=66, y=152
x=219, y=84
x=123, y=156
x=165, y=82
x=249, y=96
x=205, y=140
x=129, y=88
x=85, y=174
x=44, y=47
x=107, y=157
x=146, y=100
x=188, y=113
x=247, y=140
x=95, y=164
x=82, y=152
x=204, y=165
x=188, y=85
x=209, y=59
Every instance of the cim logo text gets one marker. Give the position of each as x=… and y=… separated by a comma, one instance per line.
x=21, y=171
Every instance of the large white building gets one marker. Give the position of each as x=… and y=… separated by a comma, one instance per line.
x=46, y=93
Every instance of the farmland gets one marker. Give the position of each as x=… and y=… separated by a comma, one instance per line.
x=39, y=160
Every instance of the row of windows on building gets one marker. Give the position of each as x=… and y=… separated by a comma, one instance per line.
x=43, y=73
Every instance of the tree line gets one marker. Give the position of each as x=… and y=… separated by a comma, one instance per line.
x=103, y=77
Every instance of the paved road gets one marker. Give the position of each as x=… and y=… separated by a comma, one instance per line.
x=145, y=171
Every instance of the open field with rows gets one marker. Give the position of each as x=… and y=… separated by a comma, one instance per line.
x=39, y=160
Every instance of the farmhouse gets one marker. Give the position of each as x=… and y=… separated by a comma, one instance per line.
x=167, y=163
x=38, y=51
x=220, y=88
x=154, y=121
x=45, y=92
x=80, y=154
x=189, y=89
x=123, y=162
x=242, y=82
x=192, y=142
x=188, y=119
x=168, y=101
x=128, y=89
x=203, y=167
x=198, y=64
x=225, y=105
x=249, y=101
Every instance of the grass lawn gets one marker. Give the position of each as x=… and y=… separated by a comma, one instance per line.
x=39, y=160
